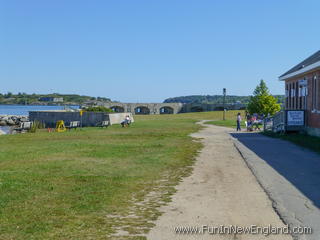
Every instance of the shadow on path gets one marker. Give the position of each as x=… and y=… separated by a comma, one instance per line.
x=298, y=165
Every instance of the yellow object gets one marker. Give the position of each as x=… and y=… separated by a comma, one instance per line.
x=81, y=112
x=60, y=127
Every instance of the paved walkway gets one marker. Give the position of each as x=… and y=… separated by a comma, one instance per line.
x=289, y=174
x=221, y=191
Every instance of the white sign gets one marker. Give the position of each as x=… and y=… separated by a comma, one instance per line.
x=303, y=82
x=295, y=118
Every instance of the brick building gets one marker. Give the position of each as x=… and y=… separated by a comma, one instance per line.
x=302, y=87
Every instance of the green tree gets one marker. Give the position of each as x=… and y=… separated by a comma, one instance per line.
x=262, y=102
x=8, y=95
x=261, y=89
x=98, y=109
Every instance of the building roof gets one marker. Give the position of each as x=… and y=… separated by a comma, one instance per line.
x=314, y=58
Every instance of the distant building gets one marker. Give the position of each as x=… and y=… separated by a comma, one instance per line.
x=302, y=87
x=51, y=99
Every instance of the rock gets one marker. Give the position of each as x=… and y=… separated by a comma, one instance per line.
x=13, y=118
x=11, y=122
x=24, y=119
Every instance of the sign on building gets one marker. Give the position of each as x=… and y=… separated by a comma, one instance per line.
x=303, y=82
x=295, y=118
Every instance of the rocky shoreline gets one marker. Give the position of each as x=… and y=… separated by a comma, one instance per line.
x=2, y=132
x=12, y=120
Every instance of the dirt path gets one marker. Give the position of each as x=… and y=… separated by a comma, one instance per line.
x=220, y=191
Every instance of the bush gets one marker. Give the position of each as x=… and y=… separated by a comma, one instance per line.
x=98, y=109
x=36, y=125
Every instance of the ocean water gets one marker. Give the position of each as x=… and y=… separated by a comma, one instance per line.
x=24, y=110
x=4, y=129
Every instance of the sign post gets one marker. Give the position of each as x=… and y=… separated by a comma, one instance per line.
x=81, y=113
x=224, y=103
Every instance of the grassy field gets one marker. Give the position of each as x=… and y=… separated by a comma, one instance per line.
x=227, y=123
x=91, y=183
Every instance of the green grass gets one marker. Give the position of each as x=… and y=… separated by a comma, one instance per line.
x=86, y=184
x=306, y=141
x=227, y=123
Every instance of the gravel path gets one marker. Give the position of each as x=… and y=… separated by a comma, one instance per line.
x=221, y=191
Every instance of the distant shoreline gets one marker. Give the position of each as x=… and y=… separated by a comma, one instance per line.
x=23, y=110
x=51, y=104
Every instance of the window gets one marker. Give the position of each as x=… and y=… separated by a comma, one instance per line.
x=315, y=92
x=292, y=93
x=287, y=98
x=297, y=95
x=300, y=98
x=318, y=92
x=289, y=95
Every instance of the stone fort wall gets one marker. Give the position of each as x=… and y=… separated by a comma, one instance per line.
x=168, y=108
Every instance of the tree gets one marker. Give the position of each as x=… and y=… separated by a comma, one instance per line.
x=98, y=109
x=8, y=95
x=261, y=89
x=262, y=102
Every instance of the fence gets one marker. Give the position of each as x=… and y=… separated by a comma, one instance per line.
x=278, y=122
x=286, y=121
x=88, y=119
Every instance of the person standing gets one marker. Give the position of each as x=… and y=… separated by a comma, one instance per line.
x=239, y=122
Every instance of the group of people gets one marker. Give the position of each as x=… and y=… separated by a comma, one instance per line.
x=252, y=122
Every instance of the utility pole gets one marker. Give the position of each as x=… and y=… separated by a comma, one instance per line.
x=224, y=103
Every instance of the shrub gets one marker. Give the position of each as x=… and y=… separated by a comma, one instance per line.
x=98, y=109
x=36, y=125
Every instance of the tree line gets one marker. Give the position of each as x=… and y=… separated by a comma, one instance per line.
x=24, y=98
x=261, y=102
x=216, y=99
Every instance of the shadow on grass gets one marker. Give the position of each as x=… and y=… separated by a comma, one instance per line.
x=298, y=165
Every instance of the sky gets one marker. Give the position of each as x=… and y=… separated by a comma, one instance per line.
x=148, y=50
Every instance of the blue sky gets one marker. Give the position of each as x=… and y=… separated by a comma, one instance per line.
x=147, y=51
